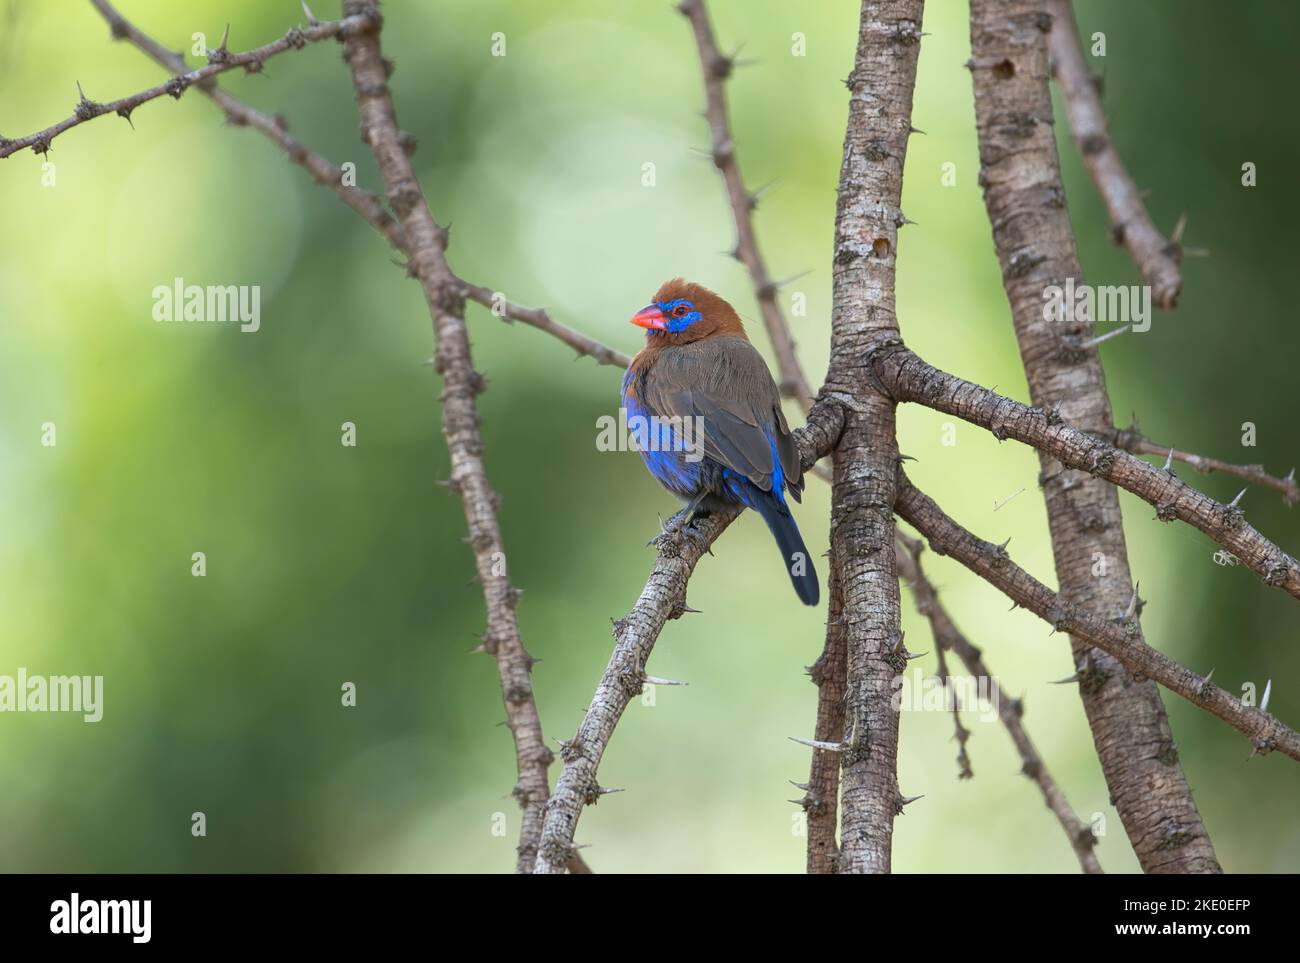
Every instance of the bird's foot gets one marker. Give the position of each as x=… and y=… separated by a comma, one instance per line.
x=679, y=526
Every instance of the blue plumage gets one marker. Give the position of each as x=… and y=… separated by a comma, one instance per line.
x=706, y=416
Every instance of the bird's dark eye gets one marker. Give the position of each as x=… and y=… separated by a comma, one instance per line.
x=679, y=311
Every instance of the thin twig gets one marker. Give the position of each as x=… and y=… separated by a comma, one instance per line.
x=538, y=318
x=219, y=61
x=1132, y=440
x=1156, y=257
x=948, y=636
x=961, y=735
x=717, y=68
x=994, y=565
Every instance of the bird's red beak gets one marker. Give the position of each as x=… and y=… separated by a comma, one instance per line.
x=650, y=317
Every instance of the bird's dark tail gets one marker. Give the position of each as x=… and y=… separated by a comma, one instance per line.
x=793, y=551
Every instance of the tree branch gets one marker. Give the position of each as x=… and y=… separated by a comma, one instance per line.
x=1116, y=636
x=908, y=378
x=219, y=61
x=539, y=319
x=1157, y=258
x=821, y=793
x=867, y=218
x=1025, y=198
x=961, y=735
x=1132, y=440
x=426, y=245
x=663, y=598
x=948, y=636
x=717, y=68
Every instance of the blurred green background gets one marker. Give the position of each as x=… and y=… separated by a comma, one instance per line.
x=328, y=564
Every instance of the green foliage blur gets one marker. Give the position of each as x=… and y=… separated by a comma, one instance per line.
x=329, y=564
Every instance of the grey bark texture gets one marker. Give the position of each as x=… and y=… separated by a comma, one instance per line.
x=865, y=460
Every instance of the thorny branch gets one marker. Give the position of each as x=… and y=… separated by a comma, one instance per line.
x=219, y=61
x=426, y=247
x=1132, y=440
x=1116, y=636
x=867, y=220
x=1157, y=258
x=942, y=645
x=539, y=319
x=948, y=636
x=717, y=68
x=1024, y=195
x=821, y=793
x=820, y=801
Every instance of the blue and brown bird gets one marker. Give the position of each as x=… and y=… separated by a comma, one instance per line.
x=706, y=415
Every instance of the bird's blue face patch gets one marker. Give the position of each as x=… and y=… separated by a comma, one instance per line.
x=679, y=314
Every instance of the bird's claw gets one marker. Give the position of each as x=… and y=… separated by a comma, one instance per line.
x=678, y=524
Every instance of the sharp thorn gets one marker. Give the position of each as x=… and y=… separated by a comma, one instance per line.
x=1093, y=342
x=828, y=746
x=1177, y=235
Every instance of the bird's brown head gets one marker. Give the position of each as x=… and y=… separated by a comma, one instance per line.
x=682, y=312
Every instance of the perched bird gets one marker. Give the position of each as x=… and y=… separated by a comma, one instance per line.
x=706, y=415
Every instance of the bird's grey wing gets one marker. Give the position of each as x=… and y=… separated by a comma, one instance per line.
x=724, y=385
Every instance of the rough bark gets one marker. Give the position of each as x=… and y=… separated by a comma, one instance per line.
x=867, y=219
x=821, y=792
x=1020, y=174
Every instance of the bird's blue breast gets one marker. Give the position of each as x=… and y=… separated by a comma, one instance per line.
x=665, y=453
